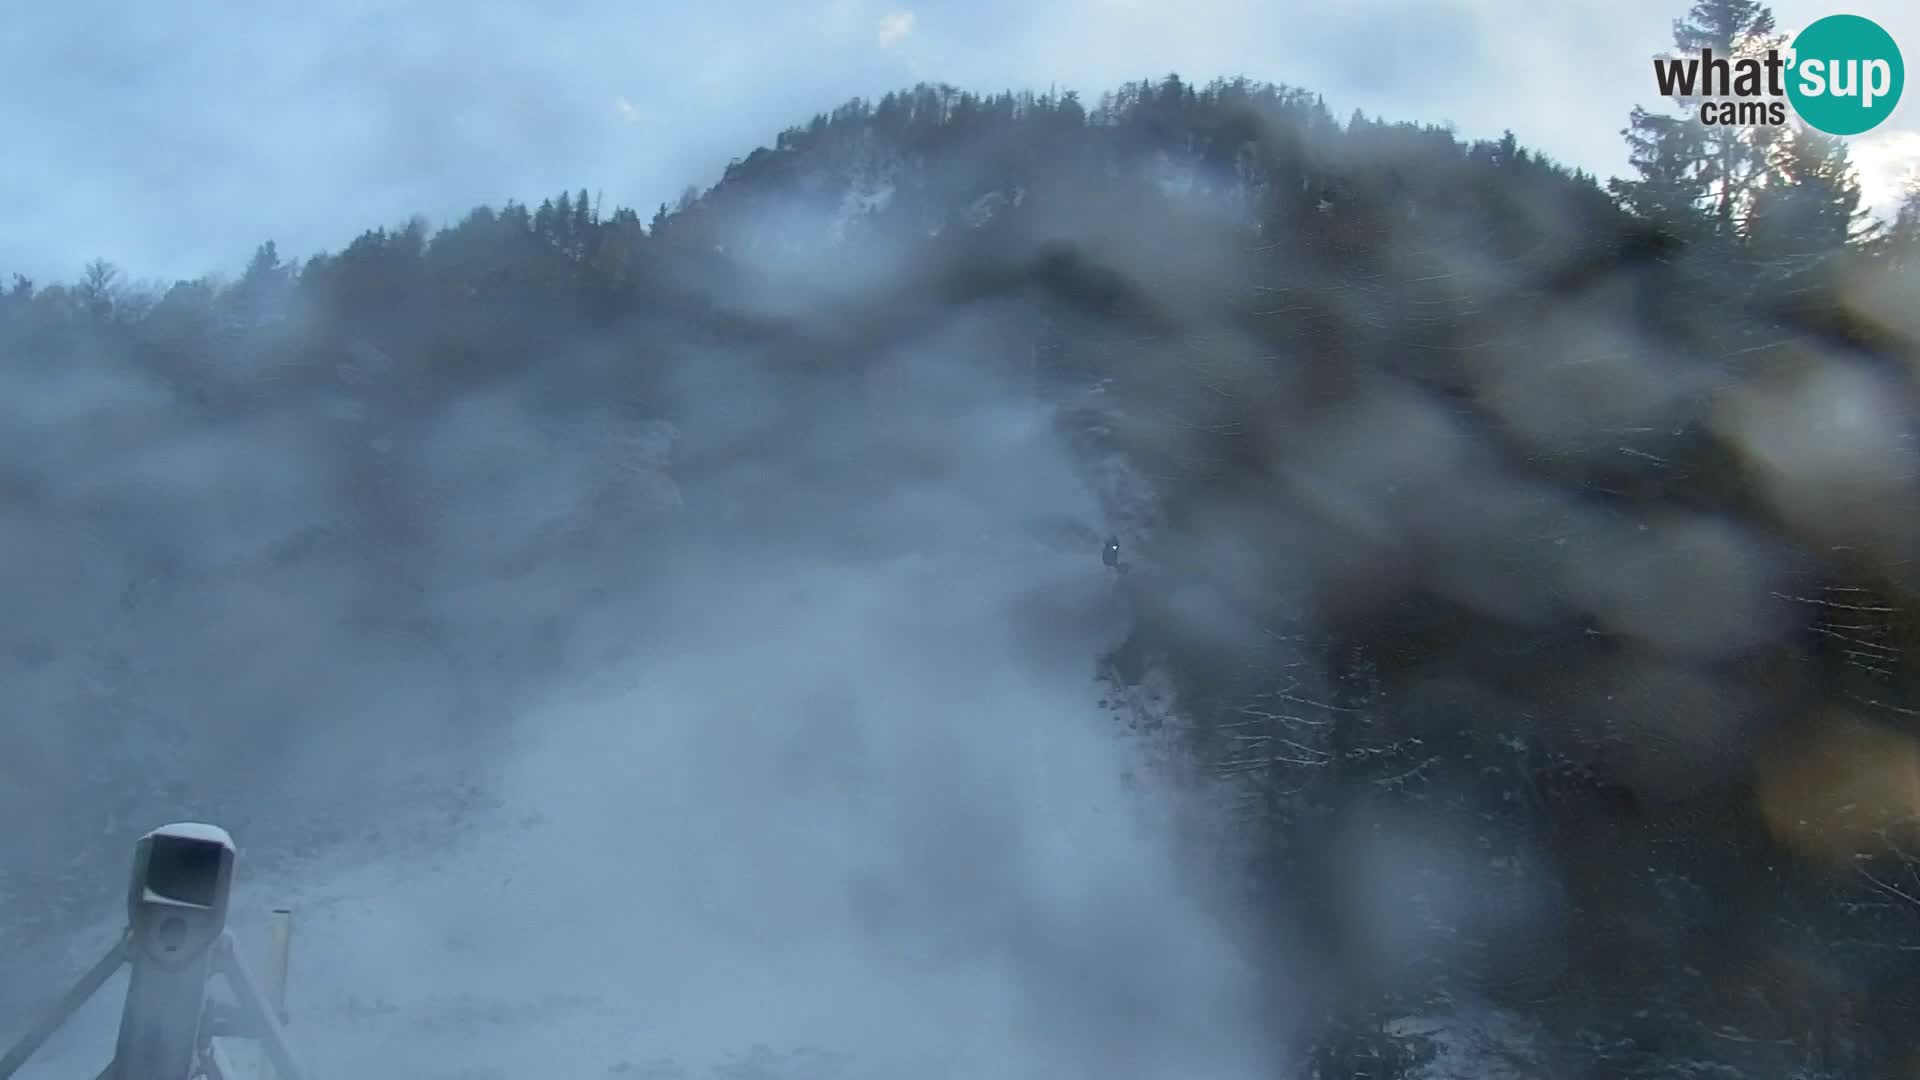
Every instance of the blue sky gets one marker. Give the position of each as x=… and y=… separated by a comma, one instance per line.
x=171, y=138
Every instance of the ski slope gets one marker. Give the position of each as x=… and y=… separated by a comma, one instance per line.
x=849, y=808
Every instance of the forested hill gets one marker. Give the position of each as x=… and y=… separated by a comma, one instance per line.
x=1571, y=521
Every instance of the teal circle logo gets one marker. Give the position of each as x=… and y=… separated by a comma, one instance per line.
x=1846, y=75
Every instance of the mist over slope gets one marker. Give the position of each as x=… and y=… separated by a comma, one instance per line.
x=845, y=786
x=707, y=617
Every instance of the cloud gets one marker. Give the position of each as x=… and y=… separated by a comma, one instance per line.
x=1887, y=160
x=895, y=26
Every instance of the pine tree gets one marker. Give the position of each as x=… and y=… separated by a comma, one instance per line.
x=262, y=287
x=1736, y=155
x=1810, y=206
x=581, y=229
x=1666, y=151
x=545, y=221
x=98, y=290
x=265, y=262
x=1685, y=165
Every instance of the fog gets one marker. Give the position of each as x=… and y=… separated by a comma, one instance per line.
x=763, y=716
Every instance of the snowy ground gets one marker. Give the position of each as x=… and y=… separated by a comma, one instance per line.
x=861, y=885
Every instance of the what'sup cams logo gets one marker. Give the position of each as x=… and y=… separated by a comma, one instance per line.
x=1843, y=75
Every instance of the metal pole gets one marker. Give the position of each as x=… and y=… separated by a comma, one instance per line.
x=89, y=984
x=161, y=1022
x=279, y=945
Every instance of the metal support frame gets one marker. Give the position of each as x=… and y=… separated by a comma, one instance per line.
x=82, y=991
x=253, y=1015
x=257, y=1010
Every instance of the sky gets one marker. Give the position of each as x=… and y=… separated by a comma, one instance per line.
x=171, y=139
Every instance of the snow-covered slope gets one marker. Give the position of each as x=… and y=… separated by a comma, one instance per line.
x=836, y=814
